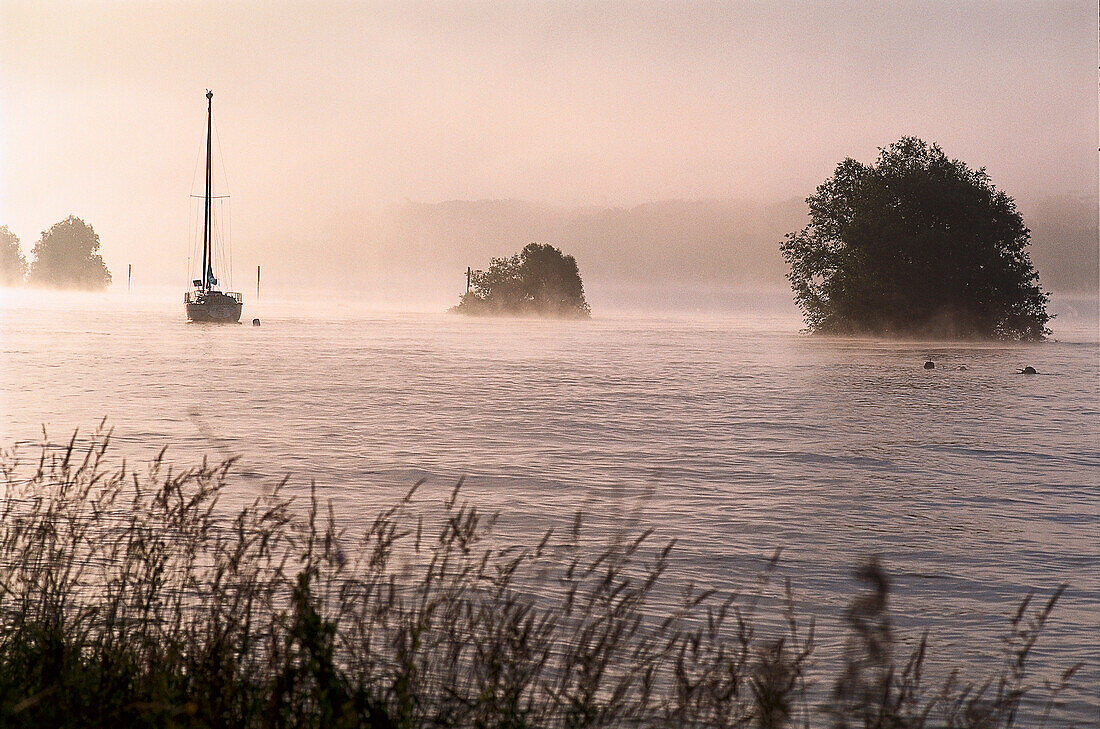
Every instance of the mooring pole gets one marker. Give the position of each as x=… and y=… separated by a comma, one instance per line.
x=469, y=272
x=129, y=270
x=257, y=282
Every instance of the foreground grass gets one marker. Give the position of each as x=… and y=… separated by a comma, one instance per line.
x=132, y=599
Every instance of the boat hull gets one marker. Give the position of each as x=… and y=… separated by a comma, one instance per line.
x=219, y=312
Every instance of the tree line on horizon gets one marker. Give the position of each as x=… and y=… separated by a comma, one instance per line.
x=914, y=245
x=65, y=257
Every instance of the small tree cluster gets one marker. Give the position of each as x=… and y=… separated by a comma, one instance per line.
x=538, y=281
x=65, y=257
x=13, y=265
x=916, y=244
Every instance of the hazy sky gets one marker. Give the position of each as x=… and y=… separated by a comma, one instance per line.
x=328, y=112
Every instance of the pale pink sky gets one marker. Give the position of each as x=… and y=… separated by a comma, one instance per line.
x=329, y=111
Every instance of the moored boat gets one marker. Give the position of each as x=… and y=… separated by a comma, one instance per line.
x=205, y=303
x=213, y=306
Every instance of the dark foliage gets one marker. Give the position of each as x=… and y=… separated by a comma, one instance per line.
x=915, y=245
x=13, y=266
x=537, y=281
x=65, y=257
x=135, y=599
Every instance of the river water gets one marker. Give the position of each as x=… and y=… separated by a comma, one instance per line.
x=734, y=434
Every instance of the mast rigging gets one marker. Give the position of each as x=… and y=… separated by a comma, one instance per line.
x=207, y=253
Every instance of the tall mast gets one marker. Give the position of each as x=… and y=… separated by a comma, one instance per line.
x=207, y=232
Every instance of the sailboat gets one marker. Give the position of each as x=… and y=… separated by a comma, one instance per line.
x=205, y=302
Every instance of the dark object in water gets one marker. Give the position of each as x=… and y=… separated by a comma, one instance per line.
x=1029, y=370
x=255, y=322
x=962, y=368
x=538, y=281
x=207, y=303
x=929, y=365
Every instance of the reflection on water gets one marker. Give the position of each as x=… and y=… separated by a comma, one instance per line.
x=736, y=436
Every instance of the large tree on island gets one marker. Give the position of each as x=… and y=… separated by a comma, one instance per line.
x=13, y=266
x=915, y=245
x=65, y=257
x=538, y=281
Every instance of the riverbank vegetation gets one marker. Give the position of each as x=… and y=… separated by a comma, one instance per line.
x=538, y=281
x=13, y=264
x=65, y=257
x=916, y=244
x=140, y=599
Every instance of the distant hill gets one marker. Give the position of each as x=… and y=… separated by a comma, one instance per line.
x=706, y=242
x=1065, y=242
x=421, y=250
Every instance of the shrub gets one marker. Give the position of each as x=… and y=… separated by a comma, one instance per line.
x=537, y=281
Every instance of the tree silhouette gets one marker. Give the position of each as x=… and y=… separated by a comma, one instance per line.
x=539, y=280
x=13, y=266
x=915, y=245
x=65, y=257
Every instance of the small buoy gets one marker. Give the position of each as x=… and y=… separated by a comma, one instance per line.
x=929, y=365
x=962, y=368
x=255, y=322
x=1029, y=370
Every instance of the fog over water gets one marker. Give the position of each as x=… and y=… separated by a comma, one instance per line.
x=732, y=433
x=373, y=151
x=345, y=129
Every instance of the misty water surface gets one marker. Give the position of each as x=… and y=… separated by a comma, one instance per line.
x=736, y=435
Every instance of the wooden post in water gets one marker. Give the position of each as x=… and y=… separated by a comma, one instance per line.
x=129, y=270
x=257, y=282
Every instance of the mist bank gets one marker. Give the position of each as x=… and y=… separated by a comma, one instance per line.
x=1065, y=241
x=671, y=244
x=665, y=255
x=655, y=246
